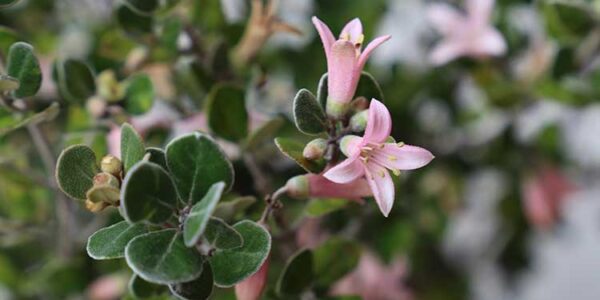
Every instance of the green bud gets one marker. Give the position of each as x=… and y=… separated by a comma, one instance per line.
x=297, y=187
x=103, y=194
x=358, y=122
x=315, y=149
x=109, y=87
x=112, y=165
x=105, y=178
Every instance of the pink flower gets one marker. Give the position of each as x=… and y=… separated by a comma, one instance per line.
x=469, y=34
x=317, y=186
x=345, y=61
x=372, y=155
x=544, y=195
x=252, y=287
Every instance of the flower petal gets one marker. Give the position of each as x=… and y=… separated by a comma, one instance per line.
x=480, y=11
x=322, y=187
x=369, y=49
x=490, y=42
x=379, y=124
x=382, y=187
x=353, y=30
x=346, y=171
x=446, y=51
x=444, y=17
x=327, y=37
x=341, y=66
x=404, y=157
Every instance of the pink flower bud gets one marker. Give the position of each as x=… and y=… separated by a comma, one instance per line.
x=252, y=287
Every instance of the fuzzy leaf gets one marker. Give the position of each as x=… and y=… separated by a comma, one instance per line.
x=133, y=23
x=148, y=194
x=221, y=235
x=161, y=257
x=75, y=171
x=293, y=150
x=110, y=242
x=234, y=265
x=139, y=94
x=142, y=7
x=158, y=157
x=297, y=275
x=199, y=215
x=196, y=163
x=142, y=289
x=197, y=289
x=329, y=265
x=368, y=87
x=308, y=115
x=322, y=91
x=75, y=80
x=226, y=111
x=132, y=146
x=24, y=67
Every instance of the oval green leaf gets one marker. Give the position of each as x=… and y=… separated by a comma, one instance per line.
x=297, y=275
x=110, y=242
x=220, y=235
x=196, y=220
x=139, y=95
x=161, y=257
x=75, y=171
x=75, y=80
x=234, y=265
x=24, y=66
x=196, y=163
x=226, y=111
x=293, y=150
x=329, y=265
x=148, y=194
x=308, y=114
x=132, y=146
x=368, y=87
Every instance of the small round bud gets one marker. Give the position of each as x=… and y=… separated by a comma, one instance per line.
x=360, y=103
x=358, y=122
x=95, y=207
x=297, y=187
x=111, y=164
x=104, y=194
x=105, y=178
x=315, y=149
x=109, y=87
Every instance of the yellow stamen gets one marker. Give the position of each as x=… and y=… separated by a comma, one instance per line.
x=392, y=158
x=345, y=36
x=360, y=39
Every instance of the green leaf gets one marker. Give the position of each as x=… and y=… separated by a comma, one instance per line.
x=24, y=66
x=132, y=146
x=226, y=112
x=329, y=265
x=48, y=114
x=308, y=115
x=220, y=235
x=7, y=3
x=231, y=266
x=197, y=289
x=161, y=257
x=75, y=171
x=229, y=209
x=110, y=242
x=142, y=289
x=8, y=84
x=567, y=21
x=266, y=132
x=158, y=157
x=293, y=150
x=368, y=87
x=148, y=194
x=297, y=276
x=195, y=222
x=322, y=91
x=134, y=24
x=75, y=80
x=142, y=7
x=139, y=94
x=321, y=207
x=196, y=163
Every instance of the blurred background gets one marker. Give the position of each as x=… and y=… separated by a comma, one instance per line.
x=509, y=209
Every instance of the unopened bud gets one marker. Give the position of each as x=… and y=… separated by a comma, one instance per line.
x=360, y=103
x=105, y=178
x=298, y=187
x=109, y=87
x=103, y=194
x=112, y=165
x=95, y=207
x=358, y=122
x=315, y=149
